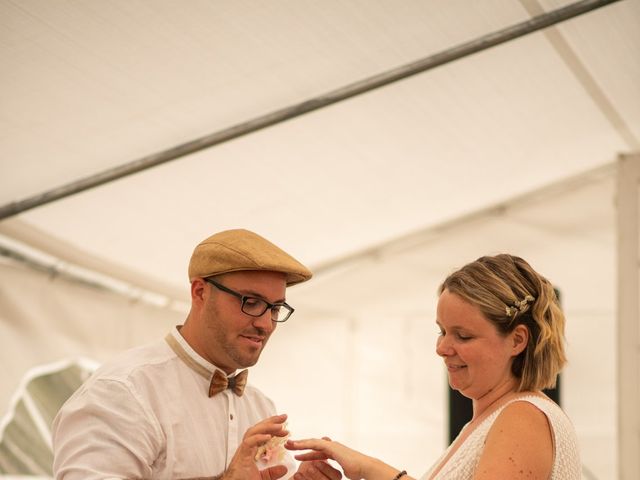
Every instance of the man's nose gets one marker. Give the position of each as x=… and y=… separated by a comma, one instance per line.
x=264, y=321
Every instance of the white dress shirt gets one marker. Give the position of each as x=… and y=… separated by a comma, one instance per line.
x=147, y=414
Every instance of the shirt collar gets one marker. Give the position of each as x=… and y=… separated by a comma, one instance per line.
x=189, y=356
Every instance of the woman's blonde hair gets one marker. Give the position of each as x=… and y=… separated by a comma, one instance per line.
x=509, y=292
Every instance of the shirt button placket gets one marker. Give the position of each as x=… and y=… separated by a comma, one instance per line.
x=232, y=438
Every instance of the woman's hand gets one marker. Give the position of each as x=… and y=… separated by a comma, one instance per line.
x=243, y=464
x=353, y=463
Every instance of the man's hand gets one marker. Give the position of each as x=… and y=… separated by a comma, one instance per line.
x=317, y=470
x=243, y=464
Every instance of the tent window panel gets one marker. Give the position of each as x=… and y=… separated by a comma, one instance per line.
x=50, y=391
x=25, y=445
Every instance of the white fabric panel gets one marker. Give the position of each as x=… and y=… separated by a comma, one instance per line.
x=567, y=234
x=44, y=320
x=356, y=361
x=372, y=382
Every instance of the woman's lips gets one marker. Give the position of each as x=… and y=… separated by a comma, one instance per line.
x=455, y=368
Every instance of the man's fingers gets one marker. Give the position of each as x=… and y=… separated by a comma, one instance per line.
x=256, y=439
x=272, y=473
x=317, y=470
x=275, y=420
x=328, y=471
x=272, y=425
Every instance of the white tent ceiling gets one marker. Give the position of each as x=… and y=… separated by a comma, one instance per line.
x=86, y=87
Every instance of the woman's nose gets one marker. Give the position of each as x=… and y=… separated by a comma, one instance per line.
x=443, y=347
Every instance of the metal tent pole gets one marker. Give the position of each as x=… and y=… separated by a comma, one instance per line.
x=477, y=45
x=628, y=316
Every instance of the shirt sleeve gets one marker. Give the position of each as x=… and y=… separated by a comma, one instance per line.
x=105, y=431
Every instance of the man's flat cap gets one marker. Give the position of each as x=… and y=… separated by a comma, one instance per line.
x=237, y=250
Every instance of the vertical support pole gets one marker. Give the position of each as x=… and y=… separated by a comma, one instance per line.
x=628, y=358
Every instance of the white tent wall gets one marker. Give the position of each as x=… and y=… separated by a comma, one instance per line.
x=357, y=361
x=44, y=319
x=568, y=234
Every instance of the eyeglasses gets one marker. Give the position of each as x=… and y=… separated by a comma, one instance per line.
x=255, y=307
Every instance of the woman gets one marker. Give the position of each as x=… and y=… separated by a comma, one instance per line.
x=501, y=339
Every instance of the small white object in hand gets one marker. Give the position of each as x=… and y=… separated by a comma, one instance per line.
x=271, y=452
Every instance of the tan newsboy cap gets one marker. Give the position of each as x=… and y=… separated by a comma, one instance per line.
x=236, y=250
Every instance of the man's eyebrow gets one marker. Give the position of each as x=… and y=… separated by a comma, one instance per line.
x=251, y=293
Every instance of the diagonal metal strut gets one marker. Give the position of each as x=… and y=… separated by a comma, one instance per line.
x=362, y=86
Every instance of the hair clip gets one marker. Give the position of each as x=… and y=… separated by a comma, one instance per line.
x=520, y=306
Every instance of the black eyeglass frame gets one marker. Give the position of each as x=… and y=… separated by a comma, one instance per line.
x=244, y=298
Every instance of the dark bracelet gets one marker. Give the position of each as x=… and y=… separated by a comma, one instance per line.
x=401, y=474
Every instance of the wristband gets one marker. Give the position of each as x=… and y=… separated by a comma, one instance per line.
x=401, y=474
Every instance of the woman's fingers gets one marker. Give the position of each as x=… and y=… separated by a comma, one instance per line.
x=308, y=456
x=307, y=444
x=351, y=461
x=319, y=449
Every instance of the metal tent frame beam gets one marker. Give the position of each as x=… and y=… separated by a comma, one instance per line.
x=357, y=88
x=628, y=324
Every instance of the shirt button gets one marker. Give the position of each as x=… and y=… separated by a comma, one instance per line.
x=231, y=416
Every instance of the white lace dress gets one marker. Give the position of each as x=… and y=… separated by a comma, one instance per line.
x=566, y=464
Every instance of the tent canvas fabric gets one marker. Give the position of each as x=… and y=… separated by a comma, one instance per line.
x=513, y=147
x=363, y=334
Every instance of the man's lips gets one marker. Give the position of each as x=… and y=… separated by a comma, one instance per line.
x=254, y=339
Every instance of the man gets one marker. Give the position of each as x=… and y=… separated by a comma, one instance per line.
x=179, y=408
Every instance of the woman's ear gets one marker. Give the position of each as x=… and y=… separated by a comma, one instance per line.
x=520, y=336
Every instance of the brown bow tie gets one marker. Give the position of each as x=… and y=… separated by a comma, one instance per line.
x=220, y=382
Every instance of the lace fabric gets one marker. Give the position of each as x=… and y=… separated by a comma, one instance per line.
x=566, y=466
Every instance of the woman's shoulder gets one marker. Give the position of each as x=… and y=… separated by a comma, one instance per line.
x=518, y=426
x=535, y=415
x=535, y=404
x=525, y=413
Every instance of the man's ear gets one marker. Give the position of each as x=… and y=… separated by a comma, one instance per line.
x=198, y=288
x=520, y=336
